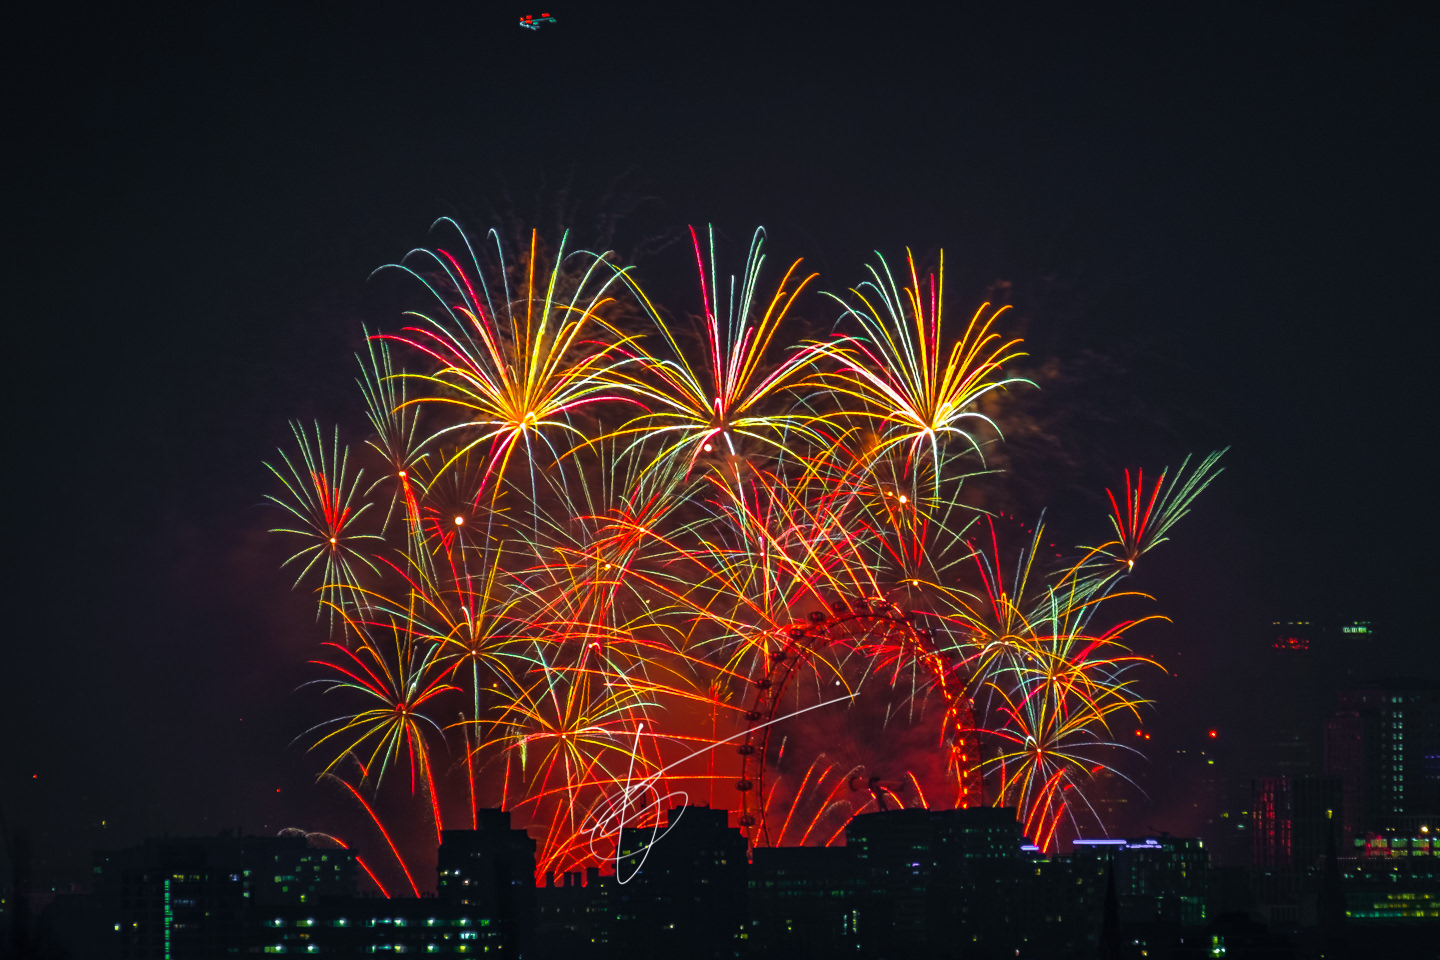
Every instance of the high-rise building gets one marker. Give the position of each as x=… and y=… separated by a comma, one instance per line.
x=574, y=916
x=1158, y=879
x=1292, y=819
x=1403, y=890
x=1316, y=812
x=931, y=873
x=1410, y=751
x=1383, y=742
x=490, y=872
x=1272, y=821
x=1295, y=636
x=1287, y=716
x=1352, y=754
x=805, y=902
x=686, y=886
x=197, y=896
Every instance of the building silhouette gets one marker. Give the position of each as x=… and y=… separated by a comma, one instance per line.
x=198, y=897
x=806, y=902
x=929, y=874
x=684, y=888
x=489, y=872
x=958, y=884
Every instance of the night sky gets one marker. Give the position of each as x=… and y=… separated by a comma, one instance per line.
x=1217, y=223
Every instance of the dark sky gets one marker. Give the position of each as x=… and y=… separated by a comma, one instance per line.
x=1219, y=219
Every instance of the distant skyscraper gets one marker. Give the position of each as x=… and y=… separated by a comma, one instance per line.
x=1295, y=698
x=1352, y=754
x=1318, y=805
x=1358, y=630
x=1292, y=817
x=1112, y=795
x=1164, y=879
x=1271, y=811
x=1295, y=636
x=1384, y=743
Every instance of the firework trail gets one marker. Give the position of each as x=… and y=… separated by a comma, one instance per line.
x=734, y=565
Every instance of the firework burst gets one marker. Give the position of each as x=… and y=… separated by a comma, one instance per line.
x=324, y=498
x=595, y=565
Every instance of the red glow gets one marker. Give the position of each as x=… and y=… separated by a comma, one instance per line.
x=383, y=832
x=371, y=874
x=799, y=573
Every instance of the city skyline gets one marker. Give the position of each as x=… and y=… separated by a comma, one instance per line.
x=950, y=882
x=210, y=197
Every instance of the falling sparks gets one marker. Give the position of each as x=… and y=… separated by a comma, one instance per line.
x=684, y=557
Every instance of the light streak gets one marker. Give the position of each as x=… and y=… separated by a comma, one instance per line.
x=608, y=547
x=617, y=814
